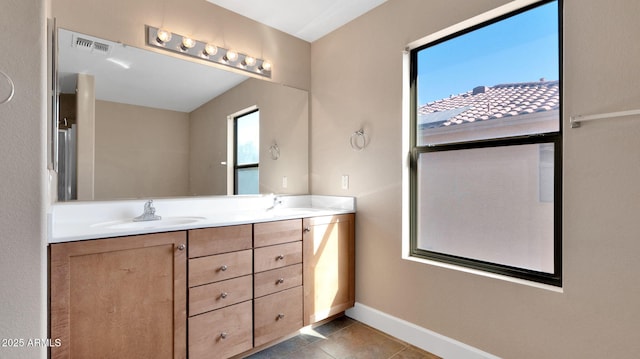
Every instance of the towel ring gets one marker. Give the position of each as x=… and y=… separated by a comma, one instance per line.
x=274, y=150
x=11, y=85
x=359, y=140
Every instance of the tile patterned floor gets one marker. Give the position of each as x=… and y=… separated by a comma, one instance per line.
x=342, y=338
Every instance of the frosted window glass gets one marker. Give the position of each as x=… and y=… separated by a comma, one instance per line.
x=485, y=204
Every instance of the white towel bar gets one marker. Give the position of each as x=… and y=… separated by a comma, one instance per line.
x=576, y=120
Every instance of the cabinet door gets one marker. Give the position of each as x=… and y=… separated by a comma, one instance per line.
x=221, y=333
x=329, y=266
x=120, y=297
x=277, y=315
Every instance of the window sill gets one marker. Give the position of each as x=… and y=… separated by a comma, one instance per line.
x=484, y=274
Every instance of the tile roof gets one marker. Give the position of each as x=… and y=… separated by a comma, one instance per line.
x=487, y=103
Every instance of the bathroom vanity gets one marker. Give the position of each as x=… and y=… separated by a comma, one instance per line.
x=217, y=287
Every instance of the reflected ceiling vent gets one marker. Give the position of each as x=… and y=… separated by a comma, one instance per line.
x=87, y=44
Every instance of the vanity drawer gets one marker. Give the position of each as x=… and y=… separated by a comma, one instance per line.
x=276, y=280
x=220, y=294
x=270, y=233
x=221, y=333
x=281, y=255
x=277, y=315
x=219, y=267
x=207, y=241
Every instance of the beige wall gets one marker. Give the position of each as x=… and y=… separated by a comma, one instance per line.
x=124, y=21
x=22, y=181
x=284, y=118
x=140, y=152
x=356, y=81
x=595, y=317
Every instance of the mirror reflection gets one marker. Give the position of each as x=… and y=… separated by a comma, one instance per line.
x=135, y=123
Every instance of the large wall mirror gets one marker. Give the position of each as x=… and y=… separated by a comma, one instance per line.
x=136, y=123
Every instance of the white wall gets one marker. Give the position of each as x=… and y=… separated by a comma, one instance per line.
x=22, y=177
x=356, y=82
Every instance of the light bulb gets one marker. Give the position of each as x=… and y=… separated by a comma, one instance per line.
x=231, y=56
x=187, y=43
x=163, y=36
x=209, y=50
x=249, y=61
x=265, y=66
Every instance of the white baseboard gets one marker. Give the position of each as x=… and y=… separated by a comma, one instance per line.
x=422, y=338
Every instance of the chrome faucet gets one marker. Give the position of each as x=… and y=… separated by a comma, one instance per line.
x=149, y=213
x=276, y=201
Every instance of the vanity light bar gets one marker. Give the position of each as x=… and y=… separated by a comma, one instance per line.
x=185, y=45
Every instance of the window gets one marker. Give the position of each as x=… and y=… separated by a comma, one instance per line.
x=246, y=150
x=485, y=142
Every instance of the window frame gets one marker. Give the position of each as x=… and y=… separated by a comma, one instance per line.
x=236, y=166
x=556, y=138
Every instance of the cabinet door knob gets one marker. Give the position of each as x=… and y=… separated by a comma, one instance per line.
x=181, y=247
x=224, y=295
x=307, y=229
x=280, y=281
x=279, y=257
x=224, y=335
x=280, y=316
x=224, y=268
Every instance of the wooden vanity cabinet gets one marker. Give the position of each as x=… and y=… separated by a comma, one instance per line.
x=119, y=297
x=220, y=291
x=247, y=285
x=329, y=266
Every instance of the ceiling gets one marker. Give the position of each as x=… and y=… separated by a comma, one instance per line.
x=308, y=20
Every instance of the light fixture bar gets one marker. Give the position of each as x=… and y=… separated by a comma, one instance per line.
x=161, y=38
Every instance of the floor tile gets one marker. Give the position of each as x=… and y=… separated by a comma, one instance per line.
x=309, y=352
x=342, y=338
x=414, y=353
x=334, y=325
x=281, y=350
x=359, y=341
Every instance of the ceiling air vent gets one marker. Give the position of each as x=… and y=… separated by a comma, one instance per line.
x=83, y=43
x=100, y=47
x=90, y=45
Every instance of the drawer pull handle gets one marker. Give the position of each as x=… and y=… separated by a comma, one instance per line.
x=224, y=295
x=280, y=316
x=224, y=335
x=279, y=257
x=224, y=268
x=181, y=247
x=280, y=281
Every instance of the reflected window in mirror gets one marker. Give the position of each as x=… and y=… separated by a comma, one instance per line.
x=246, y=153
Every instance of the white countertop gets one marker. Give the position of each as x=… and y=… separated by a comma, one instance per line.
x=71, y=221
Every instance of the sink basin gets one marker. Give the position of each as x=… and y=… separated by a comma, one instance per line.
x=164, y=222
